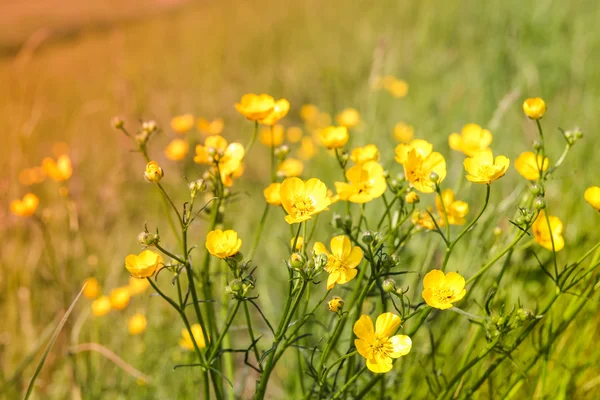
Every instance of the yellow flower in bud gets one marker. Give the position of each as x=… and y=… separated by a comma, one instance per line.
x=299, y=243
x=411, y=197
x=349, y=118
x=255, y=107
x=271, y=136
x=59, y=170
x=119, y=298
x=457, y=210
x=403, y=132
x=472, y=138
x=186, y=340
x=378, y=344
x=92, y=288
x=592, y=196
x=423, y=148
x=534, y=108
x=290, y=167
x=101, y=306
x=143, y=265
x=154, y=172
x=301, y=200
x=25, y=207
x=307, y=148
x=177, y=149
x=138, y=286
x=335, y=304
x=280, y=110
x=341, y=262
x=183, y=123
x=361, y=155
x=424, y=220
x=442, y=290
x=418, y=170
x=294, y=134
x=483, y=168
x=137, y=324
x=271, y=194
x=223, y=244
x=309, y=112
x=545, y=235
x=529, y=166
x=214, y=127
x=365, y=183
x=334, y=137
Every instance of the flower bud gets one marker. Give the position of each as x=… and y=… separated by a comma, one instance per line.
x=367, y=237
x=534, y=108
x=117, y=123
x=282, y=151
x=434, y=177
x=148, y=239
x=520, y=220
x=141, y=138
x=539, y=203
x=400, y=176
x=236, y=285
x=149, y=126
x=537, y=190
x=497, y=231
x=335, y=304
x=197, y=187
x=320, y=261
x=389, y=285
x=345, y=157
x=411, y=197
x=297, y=260
x=577, y=133
x=154, y=172
x=537, y=145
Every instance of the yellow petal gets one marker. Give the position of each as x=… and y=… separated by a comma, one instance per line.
x=346, y=276
x=387, y=324
x=363, y=329
x=354, y=258
x=401, y=345
x=433, y=278
x=379, y=364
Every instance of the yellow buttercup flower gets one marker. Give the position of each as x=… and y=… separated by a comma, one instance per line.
x=214, y=127
x=280, y=110
x=92, y=288
x=271, y=136
x=255, y=107
x=59, y=170
x=592, y=196
x=545, y=235
x=119, y=298
x=214, y=147
x=294, y=134
x=228, y=157
x=25, y=207
x=271, y=194
x=341, y=262
x=365, y=183
x=137, y=324
x=534, y=108
x=223, y=244
x=307, y=148
x=349, y=118
x=177, y=149
x=290, y=167
x=456, y=210
x=396, y=87
x=472, y=138
x=361, y=155
x=403, y=132
x=482, y=168
x=418, y=170
x=143, y=265
x=137, y=286
x=335, y=304
x=424, y=220
x=101, y=306
x=186, y=340
x=441, y=291
x=309, y=112
x=183, y=123
x=301, y=200
x=334, y=137
x=528, y=165
x=378, y=344
x=154, y=173
x=299, y=243
x=422, y=147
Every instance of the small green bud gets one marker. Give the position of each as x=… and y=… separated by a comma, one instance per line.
x=520, y=220
x=367, y=237
x=117, y=123
x=536, y=190
x=320, y=261
x=389, y=285
x=148, y=239
x=434, y=177
x=236, y=285
x=297, y=260
x=539, y=203
x=537, y=145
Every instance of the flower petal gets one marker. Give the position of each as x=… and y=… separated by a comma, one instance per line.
x=363, y=328
x=401, y=345
x=386, y=324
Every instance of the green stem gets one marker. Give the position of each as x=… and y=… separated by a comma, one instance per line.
x=261, y=226
x=252, y=138
x=349, y=383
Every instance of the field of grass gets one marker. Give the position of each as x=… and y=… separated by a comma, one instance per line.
x=467, y=61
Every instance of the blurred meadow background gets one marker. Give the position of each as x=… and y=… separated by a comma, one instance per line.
x=66, y=68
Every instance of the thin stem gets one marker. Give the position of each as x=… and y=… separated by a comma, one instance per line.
x=349, y=383
x=261, y=226
x=499, y=256
x=252, y=138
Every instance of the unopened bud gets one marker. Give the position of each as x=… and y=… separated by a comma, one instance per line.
x=434, y=177
x=197, y=187
x=148, y=239
x=537, y=145
x=297, y=260
x=412, y=198
x=335, y=304
x=154, y=172
x=149, y=126
x=389, y=285
x=320, y=260
x=537, y=190
x=539, y=203
x=368, y=237
x=117, y=122
x=236, y=285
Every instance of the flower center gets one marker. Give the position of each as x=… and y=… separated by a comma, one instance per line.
x=443, y=294
x=303, y=205
x=381, y=347
x=334, y=264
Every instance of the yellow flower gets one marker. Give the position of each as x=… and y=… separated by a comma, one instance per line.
x=341, y=262
x=396, y=87
x=471, y=139
x=59, y=170
x=177, y=149
x=137, y=286
x=544, y=235
x=411, y=197
x=423, y=219
x=183, y=123
x=482, y=168
x=592, y=196
x=227, y=157
x=25, y=207
x=101, y=306
x=361, y=155
x=457, y=210
x=280, y=110
x=186, y=340
x=335, y=304
x=528, y=165
x=334, y=137
x=255, y=107
x=440, y=291
x=92, y=288
x=301, y=200
x=534, y=108
x=213, y=147
x=349, y=118
x=137, y=324
x=307, y=148
x=223, y=244
x=271, y=194
x=290, y=167
x=214, y=127
x=294, y=134
x=154, y=172
x=299, y=243
x=143, y=265
x=119, y=298
x=271, y=136
x=309, y=112
x=423, y=148
x=378, y=344
x=365, y=183
x=403, y=132
x=418, y=170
